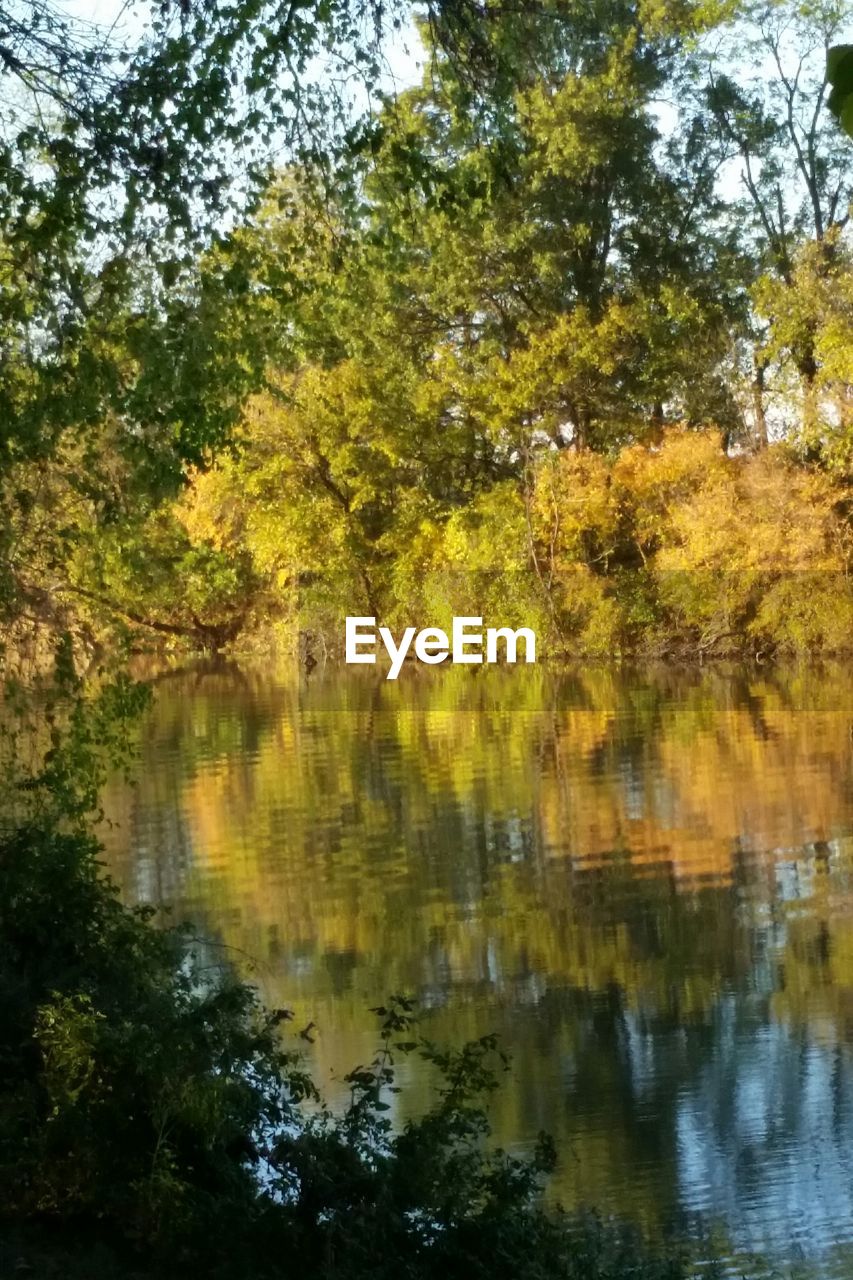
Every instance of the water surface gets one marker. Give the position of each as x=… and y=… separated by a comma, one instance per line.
x=641, y=880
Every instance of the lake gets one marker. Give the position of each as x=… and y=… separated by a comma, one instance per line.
x=641, y=879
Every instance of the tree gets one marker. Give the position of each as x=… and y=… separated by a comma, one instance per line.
x=773, y=124
x=582, y=220
x=123, y=158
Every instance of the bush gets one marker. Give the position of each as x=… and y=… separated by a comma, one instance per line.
x=151, y=1121
x=682, y=547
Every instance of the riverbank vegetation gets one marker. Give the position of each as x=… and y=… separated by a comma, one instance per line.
x=569, y=342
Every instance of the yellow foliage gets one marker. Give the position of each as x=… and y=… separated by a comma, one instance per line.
x=672, y=545
x=683, y=544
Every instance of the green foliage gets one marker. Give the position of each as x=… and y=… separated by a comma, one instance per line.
x=121, y=159
x=150, y=1106
x=357, y=397
x=534, y=281
x=125, y=1083
x=812, y=313
x=124, y=161
x=839, y=73
x=772, y=124
x=154, y=575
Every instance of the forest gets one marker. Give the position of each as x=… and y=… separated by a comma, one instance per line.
x=312, y=308
x=560, y=333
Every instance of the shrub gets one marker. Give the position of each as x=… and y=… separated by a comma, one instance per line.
x=151, y=1121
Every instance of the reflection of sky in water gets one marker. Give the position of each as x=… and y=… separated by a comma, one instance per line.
x=765, y=1139
x=647, y=896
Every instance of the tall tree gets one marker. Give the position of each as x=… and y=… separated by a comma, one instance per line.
x=122, y=158
x=767, y=95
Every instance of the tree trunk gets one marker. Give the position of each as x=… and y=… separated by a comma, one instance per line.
x=582, y=431
x=808, y=377
x=759, y=417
